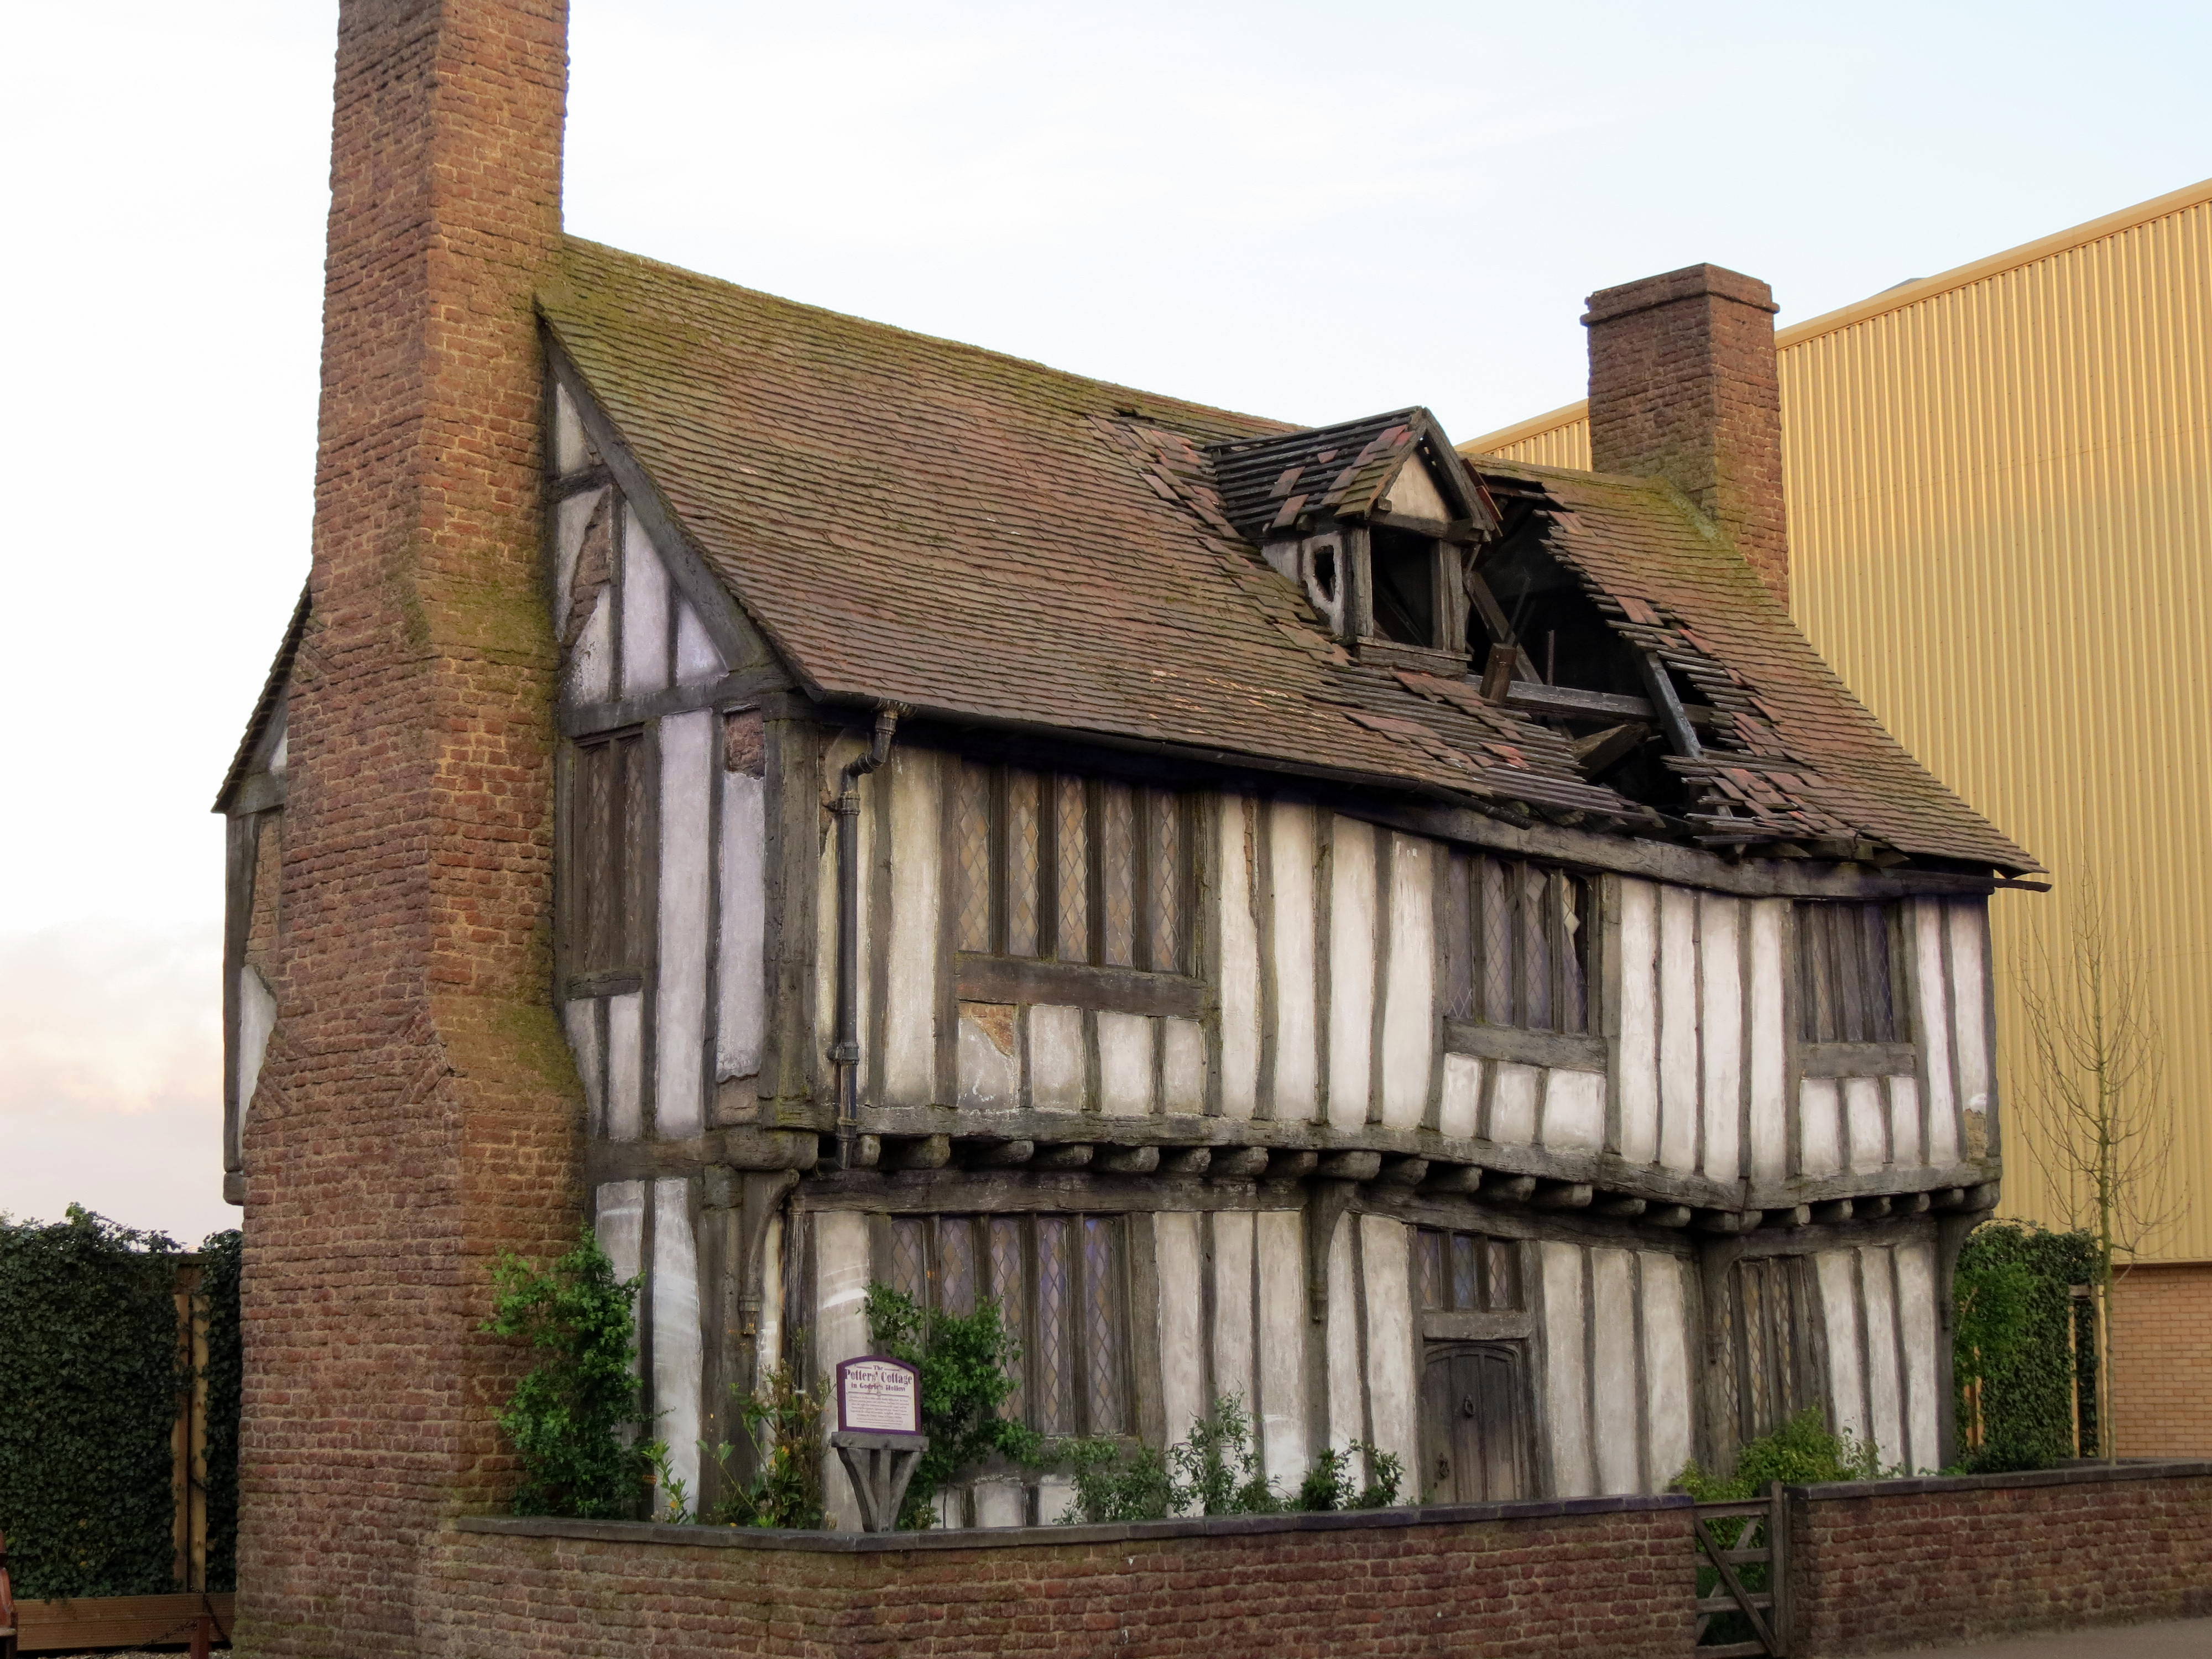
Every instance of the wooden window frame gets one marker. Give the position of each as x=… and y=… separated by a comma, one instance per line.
x=1161, y=976
x=1485, y=1315
x=1082, y=1352
x=1554, y=1028
x=588, y=844
x=1841, y=1030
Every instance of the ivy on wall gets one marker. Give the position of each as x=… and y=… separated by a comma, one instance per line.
x=2018, y=1357
x=89, y=1384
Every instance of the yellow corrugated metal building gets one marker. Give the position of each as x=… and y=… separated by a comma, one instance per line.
x=2000, y=499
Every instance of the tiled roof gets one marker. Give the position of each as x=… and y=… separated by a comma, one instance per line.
x=1268, y=484
x=913, y=520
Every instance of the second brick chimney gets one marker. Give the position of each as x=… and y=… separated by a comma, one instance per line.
x=1683, y=386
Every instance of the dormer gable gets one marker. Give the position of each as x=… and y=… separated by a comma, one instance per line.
x=1373, y=519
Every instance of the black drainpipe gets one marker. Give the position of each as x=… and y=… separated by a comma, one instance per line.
x=846, y=1052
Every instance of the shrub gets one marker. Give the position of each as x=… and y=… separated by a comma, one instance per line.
x=784, y=1423
x=575, y=1416
x=225, y=1377
x=965, y=1362
x=1215, y=1470
x=1803, y=1451
x=2015, y=1370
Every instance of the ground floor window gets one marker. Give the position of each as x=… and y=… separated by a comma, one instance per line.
x=1062, y=1284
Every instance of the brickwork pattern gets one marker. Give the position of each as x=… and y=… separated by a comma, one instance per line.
x=1617, y=1584
x=2162, y=1360
x=417, y=1111
x=1683, y=386
x=1924, y=1562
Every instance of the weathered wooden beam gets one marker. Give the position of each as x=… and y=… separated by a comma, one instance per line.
x=1834, y=1210
x=1291, y=1164
x=1455, y=1178
x=1508, y=1188
x=1185, y=1160
x=1624, y=1208
x=1078, y=985
x=1668, y=1215
x=1127, y=1160
x=997, y=1154
x=1238, y=1163
x=1349, y=1166
x=1403, y=1171
x=917, y=1151
x=1069, y=1155
x=1794, y=1215
x=1562, y=1194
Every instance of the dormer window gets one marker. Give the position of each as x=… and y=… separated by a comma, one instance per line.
x=1408, y=571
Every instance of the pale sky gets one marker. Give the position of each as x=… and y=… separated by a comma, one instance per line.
x=1304, y=210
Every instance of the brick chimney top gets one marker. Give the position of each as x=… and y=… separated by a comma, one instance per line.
x=1683, y=386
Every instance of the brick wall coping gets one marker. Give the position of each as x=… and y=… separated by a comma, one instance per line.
x=969, y=1538
x=2080, y=1474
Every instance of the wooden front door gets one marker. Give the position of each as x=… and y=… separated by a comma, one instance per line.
x=1475, y=1423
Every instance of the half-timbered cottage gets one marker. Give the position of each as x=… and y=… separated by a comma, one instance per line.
x=1427, y=949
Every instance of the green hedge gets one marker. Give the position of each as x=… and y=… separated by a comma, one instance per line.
x=226, y=1373
x=88, y=1380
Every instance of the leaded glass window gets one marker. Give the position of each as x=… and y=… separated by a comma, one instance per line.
x=1520, y=938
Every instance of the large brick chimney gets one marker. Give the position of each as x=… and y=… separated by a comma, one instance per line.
x=416, y=1113
x=1683, y=386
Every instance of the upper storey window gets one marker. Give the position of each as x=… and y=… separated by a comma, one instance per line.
x=1518, y=940
x=1073, y=869
x=608, y=870
x=1847, y=986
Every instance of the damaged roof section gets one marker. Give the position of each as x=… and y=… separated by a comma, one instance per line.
x=998, y=544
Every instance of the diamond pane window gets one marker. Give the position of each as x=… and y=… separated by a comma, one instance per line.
x=1164, y=882
x=1468, y=1273
x=1104, y=1402
x=1072, y=861
x=972, y=832
x=1055, y=1343
x=1117, y=827
x=1519, y=943
x=1022, y=863
x=955, y=1274
x=1010, y=1285
x=909, y=1269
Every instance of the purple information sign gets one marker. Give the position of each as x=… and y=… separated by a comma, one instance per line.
x=876, y=1395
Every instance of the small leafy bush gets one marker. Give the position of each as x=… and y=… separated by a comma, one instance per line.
x=1215, y=1470
x=784, y=1423
x=2015, y=1370
x=575, y=1417
x=1804, y=1450
x=965, y=1361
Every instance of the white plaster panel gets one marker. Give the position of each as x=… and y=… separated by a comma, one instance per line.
x=1866, y=1118
x=1393, y=1365
x=1283, y=1318
x=591, y=660
x=1638, y=1080
x=1613, y=1385
x=688, y=754
x=1347, y=1392
x=1885, y=1387
x=910, y=1003
x=1916, y=1317
x=1125, y=1065
x=1820, y=1126
x=618, y=1220
x=840, y=1253
x=990, y=1078
x=1056, y=1497
x=1566, y=1372
x=579, y=1017
x=626, y=1066
x=644, y=612
x=1290, y=855
x=697, y=661
x=257, y=1020
x=1240, y=962
x=1970, y=1027
x=1514, y=1090
x=677, y=1345
x=1905, y=1148
x=1666, y=1364
x=1001, y=1504
x=1770, y=1088
x=1574, y=1111
x=1839, y=1273
x=1352, y=905
x=1678, y=1029
x=769, y=1344
x=571, y=519
x=1935, y=1031
x=741, y=1025
x=570, y=452
x=1183, y=1385
x=1233, y=1374
x=1414, y=493
x=1182, y=1066
x=1459, y=1113
x=1409, y=1015
x=1720, y=979
x=1056, y=1058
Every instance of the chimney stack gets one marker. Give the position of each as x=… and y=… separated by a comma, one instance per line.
x=1683, y=386
x=417, y=1113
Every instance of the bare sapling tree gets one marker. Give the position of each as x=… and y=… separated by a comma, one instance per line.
x=2100, y=1121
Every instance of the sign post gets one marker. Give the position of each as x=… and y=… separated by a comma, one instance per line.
x=878, y=1436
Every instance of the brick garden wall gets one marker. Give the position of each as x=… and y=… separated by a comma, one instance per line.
x=1610, y=1576
x=2162, y=1360
x=1905, y=1564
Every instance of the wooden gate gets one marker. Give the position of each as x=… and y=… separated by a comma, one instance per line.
x=1742, y=1583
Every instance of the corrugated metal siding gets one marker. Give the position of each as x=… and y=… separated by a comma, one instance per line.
x=2000, y=518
